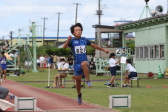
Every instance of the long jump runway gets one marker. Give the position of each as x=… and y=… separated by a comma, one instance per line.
x=51, y=102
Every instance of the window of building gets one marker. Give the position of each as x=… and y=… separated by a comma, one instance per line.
x=157, y=51
x=161, y=51
x=141, y=53
x=146, y=52
x=151, y=52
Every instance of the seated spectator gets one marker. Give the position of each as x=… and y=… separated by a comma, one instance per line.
x=62, y=74
x=130, y=72
x=3, y=92
x=92, y=65
x=70, y=61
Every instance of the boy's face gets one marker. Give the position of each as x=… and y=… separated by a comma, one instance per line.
x=62, y=61
x=77, y=32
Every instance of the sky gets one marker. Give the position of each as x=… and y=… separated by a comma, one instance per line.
x=17, y=14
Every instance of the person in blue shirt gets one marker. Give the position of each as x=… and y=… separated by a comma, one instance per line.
x=3, y=62
x=81, y=63
x=50, y=61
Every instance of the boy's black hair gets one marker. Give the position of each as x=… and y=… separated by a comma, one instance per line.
x=62, y=59
x=73, y=26
x=2, y=52
x=129, y=61
x=111, y=55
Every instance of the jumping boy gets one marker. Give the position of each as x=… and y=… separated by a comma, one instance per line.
x=81, y=63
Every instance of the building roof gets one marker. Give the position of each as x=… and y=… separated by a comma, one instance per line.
x=50, y=38
x=144, y=22
x=124, y=21
x=106, y=29
x=103, y=26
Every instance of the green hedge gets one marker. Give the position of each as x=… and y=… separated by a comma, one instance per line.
x=50, y=50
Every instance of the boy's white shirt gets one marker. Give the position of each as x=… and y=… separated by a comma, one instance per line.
x=63, y=66
x=42, y=59
x=112, y=62
x=38, y=61
x=130, y=68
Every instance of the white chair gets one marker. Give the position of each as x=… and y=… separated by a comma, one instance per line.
x=135, y=78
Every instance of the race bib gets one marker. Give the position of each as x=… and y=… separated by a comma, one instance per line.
x=80, y=49
x=3, y=62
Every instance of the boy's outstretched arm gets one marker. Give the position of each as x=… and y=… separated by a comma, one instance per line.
x=99, y=48
x=66, y=43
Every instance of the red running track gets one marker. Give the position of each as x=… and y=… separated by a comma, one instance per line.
x=49, y=101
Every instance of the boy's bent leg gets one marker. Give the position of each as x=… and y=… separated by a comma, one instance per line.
x=85, y=67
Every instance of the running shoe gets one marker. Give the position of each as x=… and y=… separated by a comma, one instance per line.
x=89, y=84
x=80, y=99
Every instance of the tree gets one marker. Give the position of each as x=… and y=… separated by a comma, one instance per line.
x=131, y=45
x=50, y=50
x=90, y=51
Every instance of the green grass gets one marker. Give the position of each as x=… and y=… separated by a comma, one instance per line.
x=143, y=99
